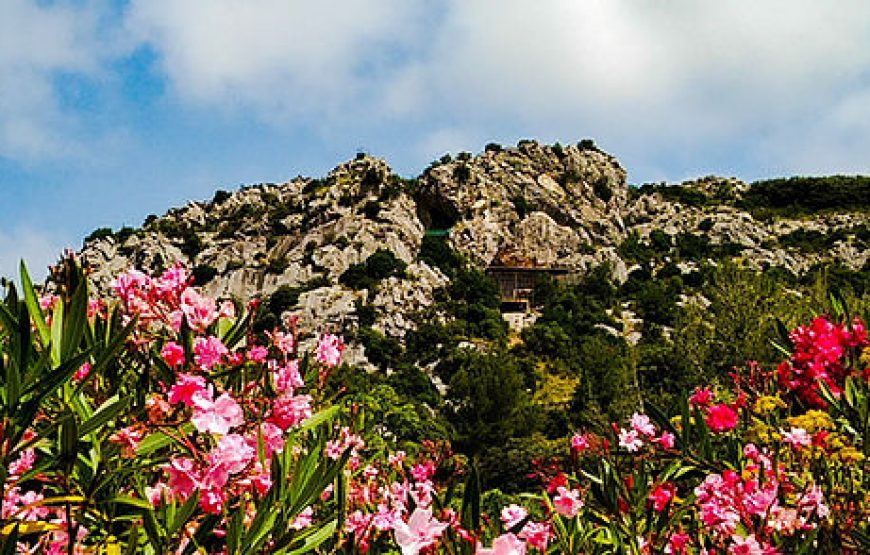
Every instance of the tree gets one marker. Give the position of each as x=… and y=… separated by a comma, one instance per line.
x=485, y=398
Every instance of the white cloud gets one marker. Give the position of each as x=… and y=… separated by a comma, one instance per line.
x=281, y=58
x=39, y=43
x=660, y=75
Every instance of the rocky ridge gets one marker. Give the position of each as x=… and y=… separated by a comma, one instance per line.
x=533, y=205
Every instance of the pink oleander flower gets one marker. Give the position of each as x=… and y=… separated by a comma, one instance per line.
x=47, y=302
x=386, y=518
x=261, y=479
x=513, y=515
x=721, y=418
x=130, y=285
x=303, y=520
x=258, y=354
x=678, y=543
x=218, y=416
x=702, y=397
x=642, y=425
x=29, y=512
x=212, y=500
x=666, y=440
x=285, y=342
x=580, y=443
x=273, y=439
x=661, y=496
x=83, y=372
x=23, y=464
x=396, y=459
x=567, y=502
x=422, y=530
x=183, y=477
x=200, y=311
x=629, y=440
x=745, y=546
x=173, y=354
x=424, y=471
x=812, y=501
x=96, y=306
x=786, y=521
x=208, y=352
x=537, y=535
x=506, y=544
x=329, y=350
x=233, y=453
x=290, y=410
x=422, y=493
x=173, y=281
x=186, y=387
x=287, y=378
x=227, y=310
x=128, y=438
x=796, y=437
x=158, y=493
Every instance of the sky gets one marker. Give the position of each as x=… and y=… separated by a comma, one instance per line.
x=113, y=110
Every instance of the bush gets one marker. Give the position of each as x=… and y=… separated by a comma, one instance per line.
x=436, y=252
x=277, y=265
x=462, y=173
x=203, y=274
x=601, y=188
x=99, y=233
x=798, y=196
x=220, y=196
x=378, y=266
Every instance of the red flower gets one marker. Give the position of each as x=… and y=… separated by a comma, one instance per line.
x=721, y=418
x=662, y=496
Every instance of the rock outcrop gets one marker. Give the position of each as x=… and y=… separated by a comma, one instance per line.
x=533, y=205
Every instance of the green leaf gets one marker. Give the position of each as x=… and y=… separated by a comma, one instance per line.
x=326, y=415
x=107, y=411
x=183, y=514
x=33, y=305
x=159, y=440
x=57, y=319
x=69, y=439
x=471, y=500
x=132, y=502
x=75, y=321
x=314, y=540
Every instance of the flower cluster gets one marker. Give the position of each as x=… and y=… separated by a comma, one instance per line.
x=205, y=436
x=819, y=351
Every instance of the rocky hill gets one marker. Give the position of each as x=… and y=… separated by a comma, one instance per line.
x=533, y=205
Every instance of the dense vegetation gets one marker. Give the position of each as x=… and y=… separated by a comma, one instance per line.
x=791, y=197
x=158, y=421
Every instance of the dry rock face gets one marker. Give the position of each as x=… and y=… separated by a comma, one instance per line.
x=543, y=204
x=534, y=205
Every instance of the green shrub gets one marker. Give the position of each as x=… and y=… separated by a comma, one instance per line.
x=220, y=196
x=436, y=252
x=377, y=267
x=601, y=188
x=99, y=233
x=203, y=274
x=799, y=196
x=277, y=265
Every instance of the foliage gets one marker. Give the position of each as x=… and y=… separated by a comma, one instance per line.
x=101, y=458
x=378, y=266
x=797, y=196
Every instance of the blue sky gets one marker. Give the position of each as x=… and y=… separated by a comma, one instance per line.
x=110, y=110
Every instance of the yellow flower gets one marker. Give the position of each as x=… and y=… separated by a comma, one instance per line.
x=760, y=432
x=768, y=403
x=812, y=421
x=849, y=455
